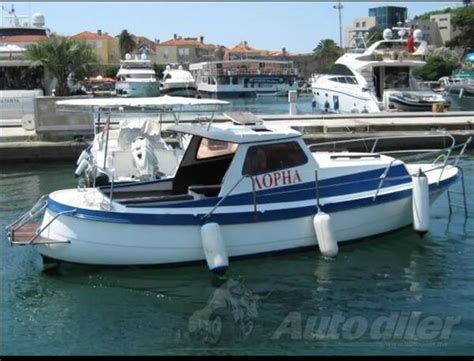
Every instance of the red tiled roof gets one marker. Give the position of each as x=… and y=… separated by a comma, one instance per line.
x=22, y=38
x=186, y=42
x=243, y=48
x=87, y=35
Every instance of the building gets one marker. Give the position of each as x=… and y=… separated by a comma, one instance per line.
x=359, y=29
x=388, y=16
x=185, y=51
x=430, y=30
x=105, y=46
x=446, y=29
x=143, y=45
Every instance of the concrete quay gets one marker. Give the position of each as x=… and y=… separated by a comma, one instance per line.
x=18, y=144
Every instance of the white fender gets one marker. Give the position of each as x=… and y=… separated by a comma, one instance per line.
x=81, y=167
x=214, y=248
x=84, y=155
x=421, y=203
x=325, y=234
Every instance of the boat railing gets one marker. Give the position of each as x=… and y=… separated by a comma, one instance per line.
x=441, y=162
x=229, y=192
x=375, y=141
x=24, y=219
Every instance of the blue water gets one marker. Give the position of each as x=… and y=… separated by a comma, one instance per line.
x=263, y=306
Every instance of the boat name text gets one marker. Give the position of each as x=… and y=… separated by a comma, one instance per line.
x=270, y=180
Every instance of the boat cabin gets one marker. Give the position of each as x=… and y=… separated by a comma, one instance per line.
x=239, y=157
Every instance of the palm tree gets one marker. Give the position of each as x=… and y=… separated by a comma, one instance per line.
x=126, y=43
x=327, y=53
x=61, y=56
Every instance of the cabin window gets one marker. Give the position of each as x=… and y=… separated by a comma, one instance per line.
x=272, y=157
x=210, y=148
x=339, y=69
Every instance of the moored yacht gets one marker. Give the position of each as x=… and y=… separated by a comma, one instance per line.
x=244, y=78
x=178, y=82
x=136, y=78
x=378, y=79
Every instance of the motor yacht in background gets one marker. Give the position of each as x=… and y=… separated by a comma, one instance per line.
x=178, y=82
x=20, y=83
x=244, y=78
x=137, y=78
x=133, y=150
x=378, y=79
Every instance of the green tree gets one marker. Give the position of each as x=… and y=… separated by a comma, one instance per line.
x=111, y=71
x=375, y=34
x=61, y=56
x=327, y=52
x=441, y=62
x=159, y=69
x=427, y=15
x=126, y=43
x=463, y=20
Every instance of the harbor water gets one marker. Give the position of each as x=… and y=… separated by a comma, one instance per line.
x=279, y=304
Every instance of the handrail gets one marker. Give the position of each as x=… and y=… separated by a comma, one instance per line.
x=217, y=205
x=376, y=140
x=112, y=182
x=38, y=233
x=29, y=214
x=382, y=179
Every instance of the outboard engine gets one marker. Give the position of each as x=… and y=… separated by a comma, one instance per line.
x=144, y=158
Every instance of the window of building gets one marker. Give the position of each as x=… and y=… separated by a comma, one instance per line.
x=357, y=24
x=363, y=24
x=272, y=157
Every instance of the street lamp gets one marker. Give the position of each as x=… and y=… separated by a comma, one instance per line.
x=339, y=7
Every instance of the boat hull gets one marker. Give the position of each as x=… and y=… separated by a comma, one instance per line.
x=124, y=244
x=137, y=89
x=410, y=106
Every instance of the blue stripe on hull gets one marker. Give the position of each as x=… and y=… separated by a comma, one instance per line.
x=238, y=217
x=331, y=187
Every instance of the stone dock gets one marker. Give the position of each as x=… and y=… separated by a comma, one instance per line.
x=67, y=141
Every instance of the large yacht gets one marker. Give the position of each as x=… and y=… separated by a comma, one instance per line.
x=137, y=78
x=378, y=79
x=20, y=84
x=250, y=77
x=177, y=81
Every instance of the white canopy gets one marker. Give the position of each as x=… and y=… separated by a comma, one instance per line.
x=165, y=101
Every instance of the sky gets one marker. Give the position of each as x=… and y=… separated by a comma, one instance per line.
x=297, y=26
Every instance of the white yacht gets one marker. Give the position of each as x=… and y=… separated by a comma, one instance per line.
x=178, y=82
x=20, y=84
x=376, y=80
x=249, y=77
x=137, y=78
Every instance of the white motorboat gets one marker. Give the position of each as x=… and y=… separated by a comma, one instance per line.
x=178, y=82
x=242, y=189
x=416, y=101
x=136, y=78
x=134, y=150
x=368, y=82
x=244, y=78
